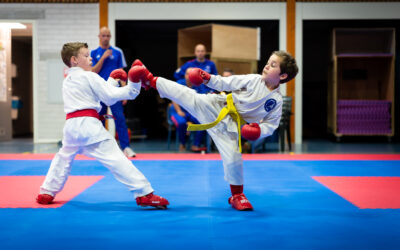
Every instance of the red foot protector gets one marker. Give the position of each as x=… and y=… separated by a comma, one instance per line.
x=365, y=192
x=21, y=191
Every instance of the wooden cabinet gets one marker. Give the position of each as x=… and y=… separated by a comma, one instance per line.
x=228, y=46
x=361, y=86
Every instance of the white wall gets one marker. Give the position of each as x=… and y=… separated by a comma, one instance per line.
x=53, y=25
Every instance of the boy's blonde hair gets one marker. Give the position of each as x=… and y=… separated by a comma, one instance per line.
x=288, y=65
x=71, y=49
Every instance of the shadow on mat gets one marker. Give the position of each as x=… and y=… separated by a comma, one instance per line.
x=131, y=206
x=104, y=206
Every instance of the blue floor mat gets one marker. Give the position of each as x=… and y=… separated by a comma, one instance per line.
x=292, y=211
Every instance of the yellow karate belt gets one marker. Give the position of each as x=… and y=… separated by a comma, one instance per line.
x=229, y=109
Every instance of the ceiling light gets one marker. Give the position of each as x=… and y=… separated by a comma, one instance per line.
x=12, y=25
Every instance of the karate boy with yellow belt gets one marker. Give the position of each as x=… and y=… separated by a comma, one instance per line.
x=255, y=99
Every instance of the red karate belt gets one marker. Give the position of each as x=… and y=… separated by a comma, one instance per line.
x=82, y=113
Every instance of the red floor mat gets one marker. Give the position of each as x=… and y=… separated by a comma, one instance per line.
x=365, y=192
x=21, y=191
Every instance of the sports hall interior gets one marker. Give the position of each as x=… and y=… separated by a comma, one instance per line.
x=328, y=178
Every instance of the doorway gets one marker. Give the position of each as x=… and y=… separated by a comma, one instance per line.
x=22, y=82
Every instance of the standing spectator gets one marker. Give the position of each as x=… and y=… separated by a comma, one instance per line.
x=199, y=62
x=105, y=59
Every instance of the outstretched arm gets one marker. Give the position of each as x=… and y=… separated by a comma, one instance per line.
x=109, y=94
x=231, y=83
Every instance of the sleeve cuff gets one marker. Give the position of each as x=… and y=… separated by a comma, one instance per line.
x=113, y=82
x=135, y=85
x=210, y=82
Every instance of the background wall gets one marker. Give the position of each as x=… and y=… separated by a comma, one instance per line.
x=137, y=18
x=54, y=25
x=155, y=43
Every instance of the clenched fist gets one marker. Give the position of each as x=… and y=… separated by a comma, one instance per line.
x=198, y=76
x=251, y=131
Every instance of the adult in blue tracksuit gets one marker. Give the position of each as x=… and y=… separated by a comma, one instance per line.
x=199, y=62
x=105, y=59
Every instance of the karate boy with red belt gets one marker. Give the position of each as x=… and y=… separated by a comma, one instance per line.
x=255, y=99
x=84, y=133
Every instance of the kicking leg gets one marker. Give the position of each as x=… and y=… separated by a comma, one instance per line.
x=204, y=107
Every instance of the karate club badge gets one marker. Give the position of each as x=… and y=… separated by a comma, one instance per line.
x=269, y=105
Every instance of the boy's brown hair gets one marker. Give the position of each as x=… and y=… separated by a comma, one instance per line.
x=288, y=65
x=71, y=49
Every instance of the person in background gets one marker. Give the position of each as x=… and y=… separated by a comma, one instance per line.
x=200, y=62
x=106, y=59
x=180, y=117
x=227, y=72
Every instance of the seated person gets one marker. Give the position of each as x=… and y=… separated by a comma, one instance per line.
x=227, y=72
x=180, y=117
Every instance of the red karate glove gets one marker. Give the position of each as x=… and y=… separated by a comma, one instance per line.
x=139, y=72
x=251, y=131
x=119, y=74
x=198, y=76
x=137, y=62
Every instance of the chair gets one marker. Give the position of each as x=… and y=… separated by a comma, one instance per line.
x=284, y=125
x=170, y=128
x=190, y=139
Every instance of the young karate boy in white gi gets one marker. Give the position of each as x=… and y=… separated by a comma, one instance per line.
x=255, y=99
x=84, y=133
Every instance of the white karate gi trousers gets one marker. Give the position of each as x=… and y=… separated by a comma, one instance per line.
x=106, y=152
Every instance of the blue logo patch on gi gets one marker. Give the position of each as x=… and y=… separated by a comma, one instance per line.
x=269, y=105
